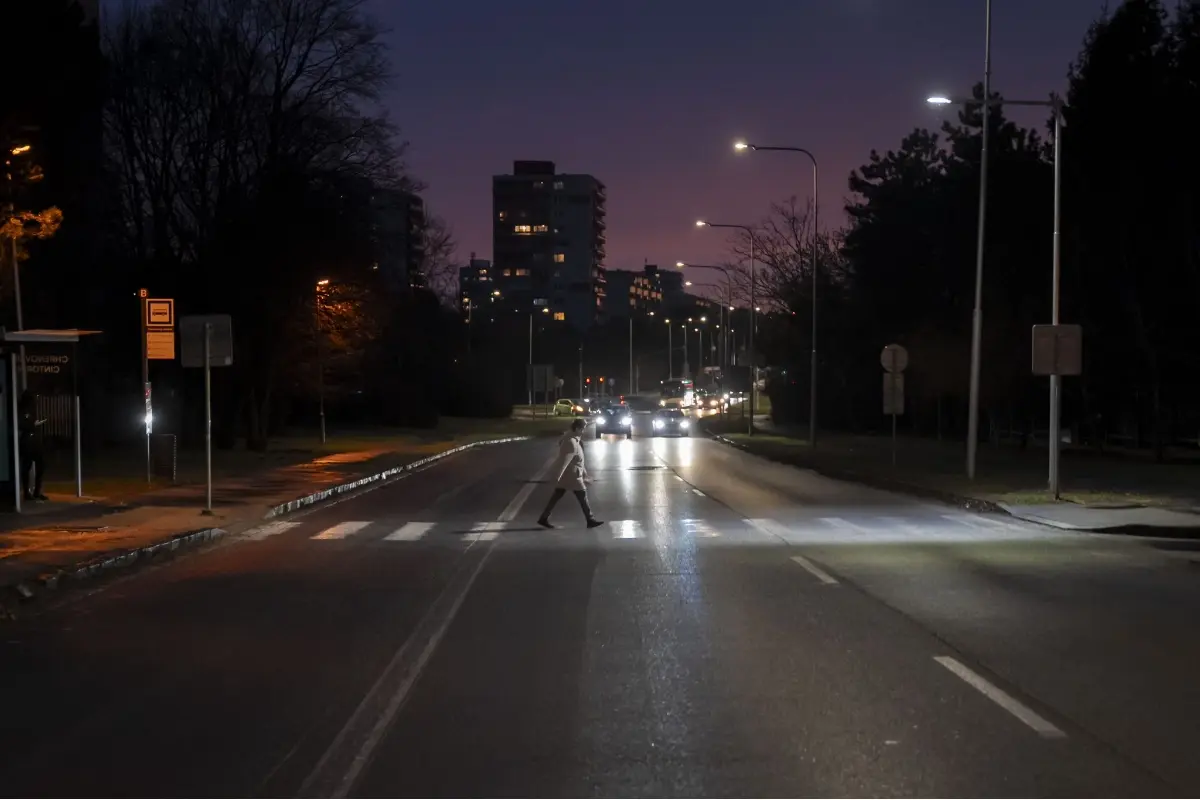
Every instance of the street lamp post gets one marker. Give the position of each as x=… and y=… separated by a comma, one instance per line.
x=670, y=352
x=729, y=295
x=1055, y=103
x=812, y=385
x=321, y=284
x=631, y=388
x=753, y=359
x=18, y=150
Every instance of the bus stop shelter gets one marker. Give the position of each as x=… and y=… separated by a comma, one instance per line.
x=64, y=345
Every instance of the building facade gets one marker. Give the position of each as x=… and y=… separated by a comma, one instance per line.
x=477, y=293
x=548, y=242
x=634, y=292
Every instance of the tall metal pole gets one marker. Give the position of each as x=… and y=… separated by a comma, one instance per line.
x=529, y=372
x=320, y=366
x=16, y=275
x=144, y=295
x=812, y=383
x=670, y=353
x=753, y=323
x=1055, y=380
x=208, y=418
x=630, y=389
x=977, y=314
x=580, y=372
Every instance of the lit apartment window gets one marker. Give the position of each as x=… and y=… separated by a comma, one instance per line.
x=507, y=273
x=522, y=229
x=503, y=216
x=521, y=273
x=560, y=316
x=540, y=228
x=558, y=184
x=560, y=258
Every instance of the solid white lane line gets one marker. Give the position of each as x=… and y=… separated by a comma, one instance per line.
x=342, y=530
x=487, y=531
x=270, y=529
x=1040, y=724
x=342, y=764
x=409, y=532
x=697, y=491
x=820, y=574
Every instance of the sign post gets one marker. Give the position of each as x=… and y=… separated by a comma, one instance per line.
x=207, y=342
x=1057, y=351
x=894, y=359
x=158, y=343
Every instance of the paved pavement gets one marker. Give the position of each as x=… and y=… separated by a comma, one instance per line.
x=737, y=628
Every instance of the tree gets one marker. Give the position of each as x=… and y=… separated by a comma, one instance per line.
x=440, y=269
x=247, y=143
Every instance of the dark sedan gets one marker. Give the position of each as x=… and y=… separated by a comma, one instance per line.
x=617, y=420
x=671, y=422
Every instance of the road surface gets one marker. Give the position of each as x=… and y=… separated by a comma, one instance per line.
x=737, y=628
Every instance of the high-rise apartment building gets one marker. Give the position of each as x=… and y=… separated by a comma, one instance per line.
x=548, y=236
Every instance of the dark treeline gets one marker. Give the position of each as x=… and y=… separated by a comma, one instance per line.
x=903, y=269
x=233, y=155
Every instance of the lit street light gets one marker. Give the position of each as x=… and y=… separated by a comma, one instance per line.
x=721, y=309
x=700, y=223
x=812, y=388
x=1054, y=103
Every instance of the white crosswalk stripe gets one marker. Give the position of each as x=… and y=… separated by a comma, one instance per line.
x=341, y=530
x=700, y=528
x=270, y=529
x=409, y=532
x=626, y=529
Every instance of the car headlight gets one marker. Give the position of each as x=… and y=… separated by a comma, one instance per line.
x=662, y=402
x=599, y=420
x=658, y=423
x=626, y=420
x=684, y=423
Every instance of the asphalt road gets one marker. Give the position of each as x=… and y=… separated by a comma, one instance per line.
x=737, y=628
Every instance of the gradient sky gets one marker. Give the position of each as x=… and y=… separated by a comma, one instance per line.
x=648, y=96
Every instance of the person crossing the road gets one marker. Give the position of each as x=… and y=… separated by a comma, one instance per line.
x=572, y=476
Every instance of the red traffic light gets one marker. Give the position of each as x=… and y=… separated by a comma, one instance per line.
x=589, y=380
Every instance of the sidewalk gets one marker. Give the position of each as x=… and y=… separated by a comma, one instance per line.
x=68, y=540
x=1104, y=494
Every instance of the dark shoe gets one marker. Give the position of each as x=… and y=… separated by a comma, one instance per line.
x=545, y=523
x=594, y=523
x=41, y=498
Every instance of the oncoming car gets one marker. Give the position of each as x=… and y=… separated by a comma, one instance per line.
x=616, y=420
x=671, y=422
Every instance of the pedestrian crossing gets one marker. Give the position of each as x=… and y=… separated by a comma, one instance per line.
x=961, y=527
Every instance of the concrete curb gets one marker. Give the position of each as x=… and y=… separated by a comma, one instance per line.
x=878, y=481
x=334, y=491
x=25, y=592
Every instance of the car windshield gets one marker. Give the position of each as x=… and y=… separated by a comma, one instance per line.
x=672, y=413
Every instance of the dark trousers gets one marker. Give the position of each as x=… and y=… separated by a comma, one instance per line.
x=580, y=495
x=37, y=462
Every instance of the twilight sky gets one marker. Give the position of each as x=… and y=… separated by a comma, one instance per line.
x=648, y=96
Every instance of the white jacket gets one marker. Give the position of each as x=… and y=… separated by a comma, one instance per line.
x=572, y=473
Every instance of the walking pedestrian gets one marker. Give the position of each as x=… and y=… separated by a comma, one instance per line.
x=33, y=455
x=572, y=476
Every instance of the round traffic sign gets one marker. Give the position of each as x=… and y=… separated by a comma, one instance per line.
x=894, y=358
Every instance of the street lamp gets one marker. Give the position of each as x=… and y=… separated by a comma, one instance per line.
x=1054, y=103
x=700, y=223
x=670, y=351
x=721, y=309
x=812, y=387
x=18, y=150
x=321, y=284
x=977, y=313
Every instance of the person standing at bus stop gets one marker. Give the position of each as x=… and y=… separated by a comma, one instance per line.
x=33, y=454
x=572, y=476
